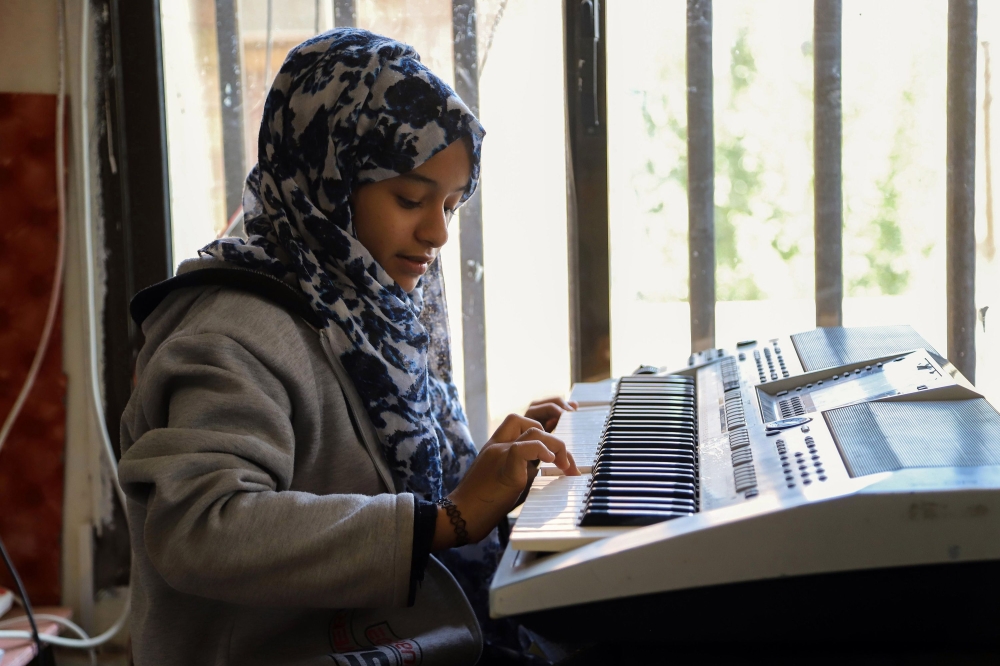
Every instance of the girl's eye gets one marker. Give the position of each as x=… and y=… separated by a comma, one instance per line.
x=408, y=204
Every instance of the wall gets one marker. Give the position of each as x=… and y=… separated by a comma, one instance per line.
x=29, y=63
x=31, y=461
x=29, y=46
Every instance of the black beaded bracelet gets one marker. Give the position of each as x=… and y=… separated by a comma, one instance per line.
x=456, y=520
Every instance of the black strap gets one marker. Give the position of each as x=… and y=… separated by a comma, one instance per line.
x=261, y=284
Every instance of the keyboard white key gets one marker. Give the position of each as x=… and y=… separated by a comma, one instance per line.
x=593, y=394
x=581, y=431
x=548, y=519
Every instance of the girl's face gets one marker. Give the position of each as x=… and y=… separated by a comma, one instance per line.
x=403, y=221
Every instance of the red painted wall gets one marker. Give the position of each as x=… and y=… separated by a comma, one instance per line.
x=31, y=462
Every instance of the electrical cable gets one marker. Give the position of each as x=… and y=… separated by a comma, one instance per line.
x=33, y=634
x=95, y=389
x=78, y=643
x=55, y=619
x=45, y=617
x=88, y=241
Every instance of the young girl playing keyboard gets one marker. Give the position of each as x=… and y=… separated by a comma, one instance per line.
x=295, y=448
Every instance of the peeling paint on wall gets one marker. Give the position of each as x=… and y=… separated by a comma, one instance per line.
x=31, y=462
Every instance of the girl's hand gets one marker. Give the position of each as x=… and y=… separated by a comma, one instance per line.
x=548, y=411
x=498, y=476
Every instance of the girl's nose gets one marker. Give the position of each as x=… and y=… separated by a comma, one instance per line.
x=433, y=229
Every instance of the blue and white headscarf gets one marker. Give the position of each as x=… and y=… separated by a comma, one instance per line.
x=347, y=108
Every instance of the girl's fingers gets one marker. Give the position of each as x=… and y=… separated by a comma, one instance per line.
x=563, y=459
x=561, y=402
x=513, y=427
x=530, y=450
x=546, y=413
x=572, y=470
x=519, y=454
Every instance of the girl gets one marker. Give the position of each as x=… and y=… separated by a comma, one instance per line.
x=295, y=443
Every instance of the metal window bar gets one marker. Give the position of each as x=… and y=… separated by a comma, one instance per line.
x=231, y=86
x=345, y=13
x=132, y=154
x=471, y=234
x=268, y=43
x=827, y=131
x=587, y=190
x=827, y=123
x=960, y=190
x=701, y=175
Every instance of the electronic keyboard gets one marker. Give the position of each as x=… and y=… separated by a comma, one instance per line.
x=835, y=450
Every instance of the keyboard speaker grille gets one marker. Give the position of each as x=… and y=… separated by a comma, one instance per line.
x=887, y=436
x=833, y=346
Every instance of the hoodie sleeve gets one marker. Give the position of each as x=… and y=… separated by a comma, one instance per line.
x=209, y=500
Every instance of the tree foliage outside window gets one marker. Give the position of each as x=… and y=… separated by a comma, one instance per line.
x=879, y=251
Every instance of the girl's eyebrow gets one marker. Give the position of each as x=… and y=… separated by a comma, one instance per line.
x=419, y=177
x=410, y=175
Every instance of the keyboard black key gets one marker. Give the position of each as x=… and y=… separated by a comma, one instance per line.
x=618, y=463
x=637, y=455
x=601, y=517
x=640, y=503
x=658, y=439
x=677, y=455
x=679, y=468
x=641, y=442
x=662, y=490
x=650, y=475
x=679, y=415
x=649, y=428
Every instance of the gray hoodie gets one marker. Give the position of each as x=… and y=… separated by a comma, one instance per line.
x=266, y=527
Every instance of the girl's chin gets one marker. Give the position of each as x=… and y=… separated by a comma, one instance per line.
x=406, y=282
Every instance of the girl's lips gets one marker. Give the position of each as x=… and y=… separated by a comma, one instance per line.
x=417, y=265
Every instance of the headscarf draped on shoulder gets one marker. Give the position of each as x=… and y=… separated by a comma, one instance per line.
x=349, y=107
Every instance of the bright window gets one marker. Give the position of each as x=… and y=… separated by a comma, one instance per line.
x=894, y=120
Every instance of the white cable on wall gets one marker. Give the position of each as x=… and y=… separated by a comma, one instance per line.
x=88, y=243
x=61, y=641
x=57, y=619
x=92, y=364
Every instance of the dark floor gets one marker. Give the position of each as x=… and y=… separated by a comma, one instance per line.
x=780, y=655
